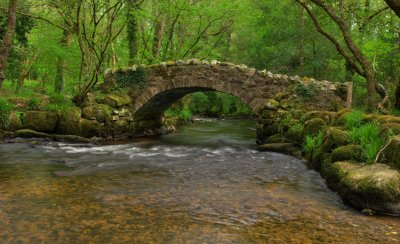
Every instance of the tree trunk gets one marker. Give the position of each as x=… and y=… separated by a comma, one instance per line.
x=61, y=63
x=158, y=37
x=398, y=96
x=394, y=5
x=8, y=38
x=132, y=34
x=302, y=39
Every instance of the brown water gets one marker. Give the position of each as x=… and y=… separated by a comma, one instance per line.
x=204, y=184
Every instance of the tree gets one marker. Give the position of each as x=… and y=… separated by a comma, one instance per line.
x=95, y=22
x=349, y=50
x=8, y=38
x=394, y=5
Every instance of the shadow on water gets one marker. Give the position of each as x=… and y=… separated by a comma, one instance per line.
x=205, y=183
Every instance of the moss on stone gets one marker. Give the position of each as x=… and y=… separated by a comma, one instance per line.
x=375, y=187
x=69, y=122
x=340, y=119
x=271, y=104
x=390, y=154
x=327, y=116
x=277, y=138
x=347, y=153
x=390, y=129
x=296, y=133
x=42, y=121
x=90, y=128
x=14, y=121
x=313, y=126
x=271, y=130
x=117, y=101
x=335, y=138
x=27, y=133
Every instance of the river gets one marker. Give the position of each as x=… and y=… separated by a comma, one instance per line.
x=206, y=183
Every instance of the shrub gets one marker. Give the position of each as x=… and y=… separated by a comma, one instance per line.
x=34, y=103
x=369, y=138
x=353, y=120
x=5, y=109
x=313, y=142
x=307, y=91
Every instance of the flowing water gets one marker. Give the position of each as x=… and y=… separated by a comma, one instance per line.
x=206, y=183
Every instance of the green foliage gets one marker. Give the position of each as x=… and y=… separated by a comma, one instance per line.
x=370, y=139
x=58, y=103
x=313, y=142
x=183, y=115
x=307, y=91
x=353, y=120
x=34, y=103
x=5, y=109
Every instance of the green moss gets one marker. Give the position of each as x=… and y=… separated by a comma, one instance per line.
x=313, y=126
x=335, y=138
x=347, y=153
x=295, y=133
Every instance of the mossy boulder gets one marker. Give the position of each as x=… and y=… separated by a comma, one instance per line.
x=68, y=123
x=271, y=104
x=90, y=128
x=42, y=121
x=117, y=101
x=347, y=153
x=296, y=133
x=384, y=119
x=374, y=187
x=277, y=138
x=335, y=138
x=327, y=116
x=26, y=133
x=390, y=154
x=340, y=119
x=313, y=126
x=287, y=148
x=122, y=127
x=271, y=129
x=14, y=121
x=390, y=128
x=89, y=113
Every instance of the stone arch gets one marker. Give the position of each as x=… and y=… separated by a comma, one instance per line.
x=170, y=81
x=155, y=100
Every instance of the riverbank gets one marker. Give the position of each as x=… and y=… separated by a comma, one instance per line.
x=357, y=154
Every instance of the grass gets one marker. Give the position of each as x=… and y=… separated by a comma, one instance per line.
x=353, y=120
x=5, y=109
x=368, y=136
x=313, y=142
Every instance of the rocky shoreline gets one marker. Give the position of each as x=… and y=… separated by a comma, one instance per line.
x=372, y=187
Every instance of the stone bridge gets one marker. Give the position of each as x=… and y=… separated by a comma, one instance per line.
x=156, y=87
